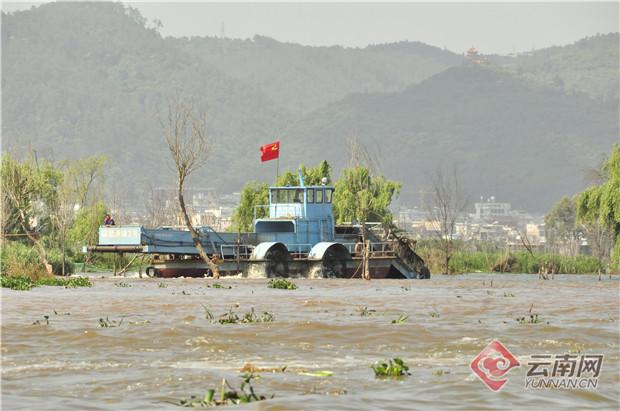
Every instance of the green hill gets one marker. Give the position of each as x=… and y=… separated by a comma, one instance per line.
x=523, y=144
x=85, y=78
x=589, y=66
x=306, y=78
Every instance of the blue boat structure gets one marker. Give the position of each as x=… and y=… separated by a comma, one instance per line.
x=298, y=239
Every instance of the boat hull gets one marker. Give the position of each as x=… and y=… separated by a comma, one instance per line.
x=299, y=268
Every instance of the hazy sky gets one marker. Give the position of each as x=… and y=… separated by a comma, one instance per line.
x=491, y=27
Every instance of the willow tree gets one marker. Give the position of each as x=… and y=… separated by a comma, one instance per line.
x=599, y=205
x=361, y=196
x=185, y=131
x=253, y=195
x=561, y=229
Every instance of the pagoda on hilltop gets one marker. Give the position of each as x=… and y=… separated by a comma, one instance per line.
x=475, y=57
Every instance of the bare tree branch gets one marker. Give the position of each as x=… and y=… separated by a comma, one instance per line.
x=444, y=206
x=185, y=131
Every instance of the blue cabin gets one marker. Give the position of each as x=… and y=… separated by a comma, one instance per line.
x=302, y=216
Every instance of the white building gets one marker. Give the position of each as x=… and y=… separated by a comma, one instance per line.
x=491, y=209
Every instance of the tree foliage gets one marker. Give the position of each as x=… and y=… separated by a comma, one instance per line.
x=29, y=191
x=600, y=204
x=40, y=200
x=313, y=176
x=362, y=196
x=253, y=194
x=560, y=222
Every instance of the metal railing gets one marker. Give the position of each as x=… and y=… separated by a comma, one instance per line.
x=237, y=251
x=377, y=249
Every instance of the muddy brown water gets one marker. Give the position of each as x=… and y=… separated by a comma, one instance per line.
x=165, y=349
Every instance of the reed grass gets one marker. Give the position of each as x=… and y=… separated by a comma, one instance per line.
x=517, y=262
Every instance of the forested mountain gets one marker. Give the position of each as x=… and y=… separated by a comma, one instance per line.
x=90, y=78
x=588, y=66
x=84, y=78
x=307, y=78
x=523, y=144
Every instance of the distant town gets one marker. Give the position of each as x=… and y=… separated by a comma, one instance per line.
x=488, y=220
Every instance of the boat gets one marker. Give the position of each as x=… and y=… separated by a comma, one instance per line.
x=297, y=238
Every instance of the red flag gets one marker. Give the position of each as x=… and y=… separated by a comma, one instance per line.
x=270, y=151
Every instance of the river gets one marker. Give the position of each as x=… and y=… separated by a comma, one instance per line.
x=165, y=349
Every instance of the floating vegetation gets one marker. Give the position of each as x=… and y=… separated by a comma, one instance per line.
x=577, y=348
x=365, y=312
x=401, y=319
x=282, y=284
x=250, y=317
x=532, y=319
x=439, y=373
x=17, y=283
x=249, y=368
x=218, y=285
x=107, y=323
x=208, y=313
x=46, y=320
x=391, y=368
x=323, y=373
x=71, y=282
x=162, y=285
x=26, y=283
x=122, y=284
x=231, y=317
x=66, y=313
x=508, y=294
x=228, y=395
x=144, y=322
x=434, y=313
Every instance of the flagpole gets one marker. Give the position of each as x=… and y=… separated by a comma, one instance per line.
x=277, y=168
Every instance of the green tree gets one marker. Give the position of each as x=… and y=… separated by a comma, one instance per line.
x=560, y=224
x=364, y=197
x=361, y=196
x=29, y=192
x=253, y=194
x=313, y=176
x=77, y=190
x=600, y=204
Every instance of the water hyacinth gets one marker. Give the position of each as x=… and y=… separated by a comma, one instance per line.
x=282, y=284
x=391, y=368
x=228, y=395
